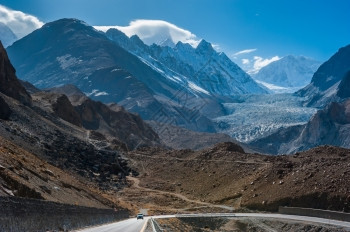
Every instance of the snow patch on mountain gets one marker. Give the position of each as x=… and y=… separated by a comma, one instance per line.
x=197, y=88
x=67, y=61
x=96, y=93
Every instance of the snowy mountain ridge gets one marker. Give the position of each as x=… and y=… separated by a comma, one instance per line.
x=197, y=69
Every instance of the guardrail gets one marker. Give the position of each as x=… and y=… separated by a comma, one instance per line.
x=315, y=213
x=206, y=215
x=21, y=214
x=155, y=226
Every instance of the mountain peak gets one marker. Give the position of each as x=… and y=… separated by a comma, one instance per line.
x=205, y=46
x=136, y=39
x=115, y=32
x=183, y=46
x=168, y=42
x=68, y=24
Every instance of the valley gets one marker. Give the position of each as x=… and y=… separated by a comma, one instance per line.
x=99, y=124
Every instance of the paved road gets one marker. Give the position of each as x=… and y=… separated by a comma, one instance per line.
x=280, y=216
x=132, y=225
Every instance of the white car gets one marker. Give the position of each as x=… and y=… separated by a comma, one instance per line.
x=139, y=216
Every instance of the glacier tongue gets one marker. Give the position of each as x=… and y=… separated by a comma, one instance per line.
x=256, y=116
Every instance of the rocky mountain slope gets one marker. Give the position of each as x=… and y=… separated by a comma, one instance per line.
x=114, y=123
x=224, y=175
x=290, y=72
x=25, y=175
x=199, y=69
x=9, y=84
x=325, y=82
x=47, y=153
x=7, y=37
x=72, y=52
x=328, y=126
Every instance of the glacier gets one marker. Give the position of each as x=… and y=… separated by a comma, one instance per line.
x=252, y=117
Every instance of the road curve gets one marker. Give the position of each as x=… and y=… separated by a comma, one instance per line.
x=133, y=225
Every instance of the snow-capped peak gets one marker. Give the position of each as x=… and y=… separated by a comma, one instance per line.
x=288, y=72
x=168, y=42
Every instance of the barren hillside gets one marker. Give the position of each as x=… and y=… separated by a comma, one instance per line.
x=223, y=175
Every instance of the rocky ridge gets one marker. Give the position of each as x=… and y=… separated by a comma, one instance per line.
x=325, y=82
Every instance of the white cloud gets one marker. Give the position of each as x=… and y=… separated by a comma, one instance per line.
x=20, y=23
x=245, y=61
x=155, y=31
x=246, y=51
x=260, y=62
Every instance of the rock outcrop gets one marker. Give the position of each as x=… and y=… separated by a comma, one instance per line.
x=5, y=110
x=65, y=110
x=9, y=84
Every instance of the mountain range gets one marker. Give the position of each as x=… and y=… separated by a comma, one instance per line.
x=71, y=52
x=196, y=88
x=201, y=69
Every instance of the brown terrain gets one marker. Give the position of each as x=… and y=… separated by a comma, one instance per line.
x=208, y=180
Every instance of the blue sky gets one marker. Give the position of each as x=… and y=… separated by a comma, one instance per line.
x=314, y=28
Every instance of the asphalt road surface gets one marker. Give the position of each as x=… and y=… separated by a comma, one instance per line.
x=130, y=225
x=133, y=225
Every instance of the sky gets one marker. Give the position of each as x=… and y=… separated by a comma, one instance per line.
x=252, y=33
